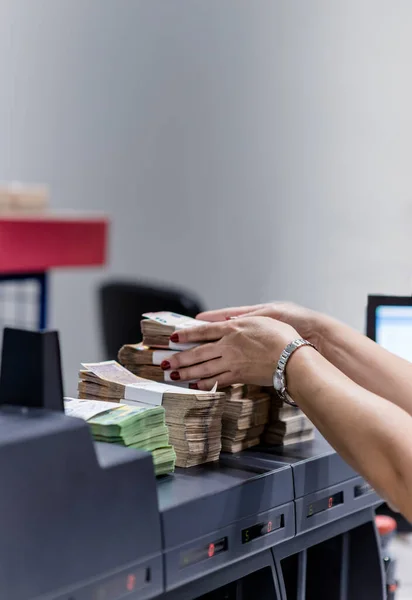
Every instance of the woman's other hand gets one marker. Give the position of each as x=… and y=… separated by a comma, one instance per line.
x=244, y=350
x=308, y=323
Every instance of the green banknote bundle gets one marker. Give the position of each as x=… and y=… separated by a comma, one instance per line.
x=143, y=428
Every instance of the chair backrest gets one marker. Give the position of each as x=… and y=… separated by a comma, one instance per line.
x=123, y=303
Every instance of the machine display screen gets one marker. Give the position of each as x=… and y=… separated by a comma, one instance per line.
x=260, y=529
x=324, y=504
x=393, y=325
x=195, y=555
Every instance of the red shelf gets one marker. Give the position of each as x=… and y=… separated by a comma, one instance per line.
x=31, y=244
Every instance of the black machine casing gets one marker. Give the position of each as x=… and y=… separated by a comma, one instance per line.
x=326, y=488
x=208, y=513
x=62, y=530
x=84, y=521
x=79, y=520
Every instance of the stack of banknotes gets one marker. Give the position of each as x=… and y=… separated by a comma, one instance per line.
x=287, y=424
x=193, y=418
x=140, y=427
x=244, y=419
x=252, y=414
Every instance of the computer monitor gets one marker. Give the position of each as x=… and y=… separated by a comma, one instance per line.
x=389, y=323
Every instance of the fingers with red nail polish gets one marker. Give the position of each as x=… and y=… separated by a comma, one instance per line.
x=193, y=386
x=175, y=375
x=195, y=356
x=165, y=365
x=211, y=332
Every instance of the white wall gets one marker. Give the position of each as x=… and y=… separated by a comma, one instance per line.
x=247, y=150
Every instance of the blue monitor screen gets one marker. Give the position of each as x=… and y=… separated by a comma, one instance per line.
x=394, y=329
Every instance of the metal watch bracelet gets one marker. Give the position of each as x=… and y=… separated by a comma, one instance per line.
x=279, y=376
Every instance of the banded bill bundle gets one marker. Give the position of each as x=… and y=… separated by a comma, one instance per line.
x=159, y=326
x=246, y=408
x=193, y=418
x=287, y=424
x=140, y=427
x=244, y=419
x=250, y=414
x=145, y=362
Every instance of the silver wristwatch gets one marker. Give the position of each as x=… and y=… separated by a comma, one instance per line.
x=279, y=376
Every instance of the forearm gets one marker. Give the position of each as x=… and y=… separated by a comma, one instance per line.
x=366, y=363
x=373, y=435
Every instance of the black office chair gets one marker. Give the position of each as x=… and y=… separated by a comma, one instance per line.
x=123, y=303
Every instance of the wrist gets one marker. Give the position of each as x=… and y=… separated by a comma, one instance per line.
x=300, y=373
x=280, y=376
x=323, y=331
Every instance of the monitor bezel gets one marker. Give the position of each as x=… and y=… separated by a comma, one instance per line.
x=374, y=301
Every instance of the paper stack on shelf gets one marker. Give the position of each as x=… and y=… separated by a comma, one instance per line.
x=18, y=197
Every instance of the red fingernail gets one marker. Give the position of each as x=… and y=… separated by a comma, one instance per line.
x=174, y=338
x=193, y=386
x=175, y=375
x=165, y=365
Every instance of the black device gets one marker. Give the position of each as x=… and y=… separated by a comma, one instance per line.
x=64, y=535
x=123, y=302
x=83, y=520
x=31, y=370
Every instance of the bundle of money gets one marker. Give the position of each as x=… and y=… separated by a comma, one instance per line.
x=280, y=439
x=148, y=372
x=244, y=420
x=246, y=409
x=159, y=326
x=133, y=355
x=141, y=427
x=194, y=418
x=242, y=390
x=279, y=411
x=287, y=424
x=152, y=372
x=145, y=362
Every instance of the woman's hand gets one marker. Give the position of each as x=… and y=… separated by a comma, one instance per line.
x=244, y=350
x=308, y=323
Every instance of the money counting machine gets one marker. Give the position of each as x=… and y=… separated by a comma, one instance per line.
x=88, y=521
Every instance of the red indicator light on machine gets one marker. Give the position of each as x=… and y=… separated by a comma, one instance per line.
x=330, y=502
x=205, y=552
x=131, y=582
